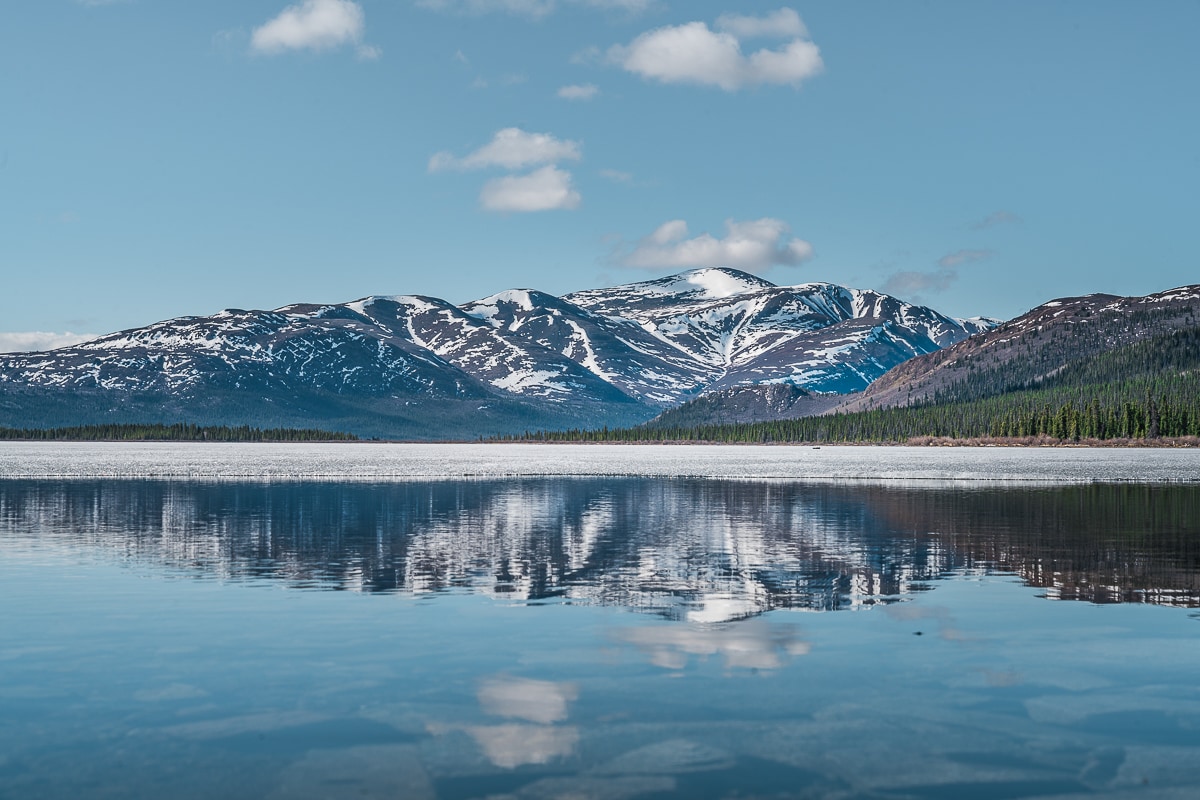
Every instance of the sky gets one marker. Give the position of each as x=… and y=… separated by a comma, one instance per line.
x=161, y=158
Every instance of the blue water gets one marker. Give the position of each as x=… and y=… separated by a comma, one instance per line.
x=597, y=638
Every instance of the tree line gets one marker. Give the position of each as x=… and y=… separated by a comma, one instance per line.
x=178, y=432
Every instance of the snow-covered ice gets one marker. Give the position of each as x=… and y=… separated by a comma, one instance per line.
x=368, y=461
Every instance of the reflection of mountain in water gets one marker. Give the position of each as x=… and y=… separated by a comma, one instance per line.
x=701, y=550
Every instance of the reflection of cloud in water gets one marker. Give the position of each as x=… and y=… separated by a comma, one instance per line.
x=753, y=644
x=723, y=607
x=511, y=746
x=543, y=702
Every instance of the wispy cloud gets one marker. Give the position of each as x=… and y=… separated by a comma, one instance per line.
x=997, y=218
x=911, y=283
x=534, y=9
x=315, y=25
x=782, y=24
x=960, y=257
x=616, y=175
x=754, y=246
x=545, y=189
x=697, y=54
x=511, y=148
x=29, y=341
x=585, y=91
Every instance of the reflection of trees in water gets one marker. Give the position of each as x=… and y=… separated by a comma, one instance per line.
x=702, y=550
x=1102, y=543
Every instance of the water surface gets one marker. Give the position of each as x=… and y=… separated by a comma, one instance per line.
x=607, y=637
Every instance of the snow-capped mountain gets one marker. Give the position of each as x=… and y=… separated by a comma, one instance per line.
x=745, y=330
x=593, y=357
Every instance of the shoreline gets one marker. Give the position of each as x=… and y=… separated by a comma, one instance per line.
x=1176, y=442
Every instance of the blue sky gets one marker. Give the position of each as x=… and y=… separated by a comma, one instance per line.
x=165, y=158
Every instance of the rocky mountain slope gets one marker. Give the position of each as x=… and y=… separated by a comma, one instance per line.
x=418, y=366
x=1027, y=351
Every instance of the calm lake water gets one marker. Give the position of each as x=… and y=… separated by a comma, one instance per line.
x=1027, y=633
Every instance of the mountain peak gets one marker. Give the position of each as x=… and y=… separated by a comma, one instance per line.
x=713, y=283
x=716, y=282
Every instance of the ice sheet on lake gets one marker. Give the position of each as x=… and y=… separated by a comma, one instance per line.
x=381, y=462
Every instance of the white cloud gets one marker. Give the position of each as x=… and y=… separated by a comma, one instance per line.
x=511, y=148
x=694, y=53
x=754, y=246
x=28, y=341
x=960, y=257
x=782, y=24
x=585, y=91
x=544, y=189
x=313, y=25
x=996, y=218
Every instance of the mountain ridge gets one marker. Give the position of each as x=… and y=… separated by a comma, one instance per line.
x=599, y=356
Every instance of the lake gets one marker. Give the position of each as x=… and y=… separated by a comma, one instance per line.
x=486, y=621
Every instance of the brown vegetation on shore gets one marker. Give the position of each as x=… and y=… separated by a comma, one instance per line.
x=1049, y=441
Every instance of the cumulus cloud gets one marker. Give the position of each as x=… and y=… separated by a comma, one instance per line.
x=754, y=246
x=585, y=91
x=960, y=257
x=30, y=341
x=695, y=53
x=511, y=148
x=544, y=189
x=534, y=9
x=314, y=25
x=996, y=218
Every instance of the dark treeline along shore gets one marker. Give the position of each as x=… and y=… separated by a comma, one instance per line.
x=178, y=432
x=1140, y=393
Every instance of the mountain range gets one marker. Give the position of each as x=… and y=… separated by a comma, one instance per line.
x=407, y=366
